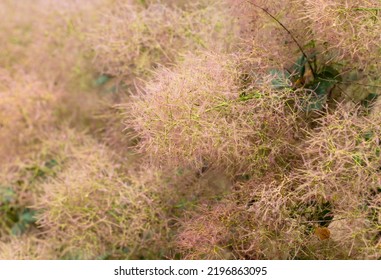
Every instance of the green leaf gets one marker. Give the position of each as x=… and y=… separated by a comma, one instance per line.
x=102, y=79
x=321, y=86
x=318, y=98
x=25, y=219
x=315, y=104
x=325, y=215
x=18, y=229
x=368, y=135
x=51, y=163
x=28, y=216
x=369, y=100
x=300, y=66
x=280, y=79
x=7, y=194
x=358, y=160
x=378, y=151
x=329, y=74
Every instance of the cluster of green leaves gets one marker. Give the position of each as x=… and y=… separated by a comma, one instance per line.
x=42, y=171
x=15, y=217
x=317, y=83
x=314, y=213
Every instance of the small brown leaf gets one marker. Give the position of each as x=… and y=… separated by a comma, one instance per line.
x=322, y=232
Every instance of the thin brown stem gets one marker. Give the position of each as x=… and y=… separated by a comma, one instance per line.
x=289, y=32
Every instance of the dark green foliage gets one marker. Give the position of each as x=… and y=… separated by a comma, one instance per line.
x=24, y=220
x=14, y=217
x=43, y=171
x=369, y=101
x=314, y=213
x=300, y=66
x=281, y=79
x=317, y=84
x=7, y=195
x=101, y=80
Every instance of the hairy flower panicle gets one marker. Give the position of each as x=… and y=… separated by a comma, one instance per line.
x=194, y=115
